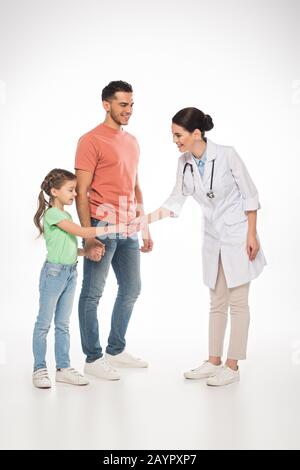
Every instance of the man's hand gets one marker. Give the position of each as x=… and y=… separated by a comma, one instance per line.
x=94, y=249
x=147, y=243
x=147, y=240
x=141, y=224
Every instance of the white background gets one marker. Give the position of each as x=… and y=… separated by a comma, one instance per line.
x=237, y=61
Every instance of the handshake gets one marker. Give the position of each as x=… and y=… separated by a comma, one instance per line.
x=134, y=226
x=94, y=249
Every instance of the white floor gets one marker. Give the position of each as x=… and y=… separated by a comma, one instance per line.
x=155, y=408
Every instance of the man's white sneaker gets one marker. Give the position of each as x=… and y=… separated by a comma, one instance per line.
x=206, y=370
x=224, y=377
x=101, y=369
x=70, y=376
x=40, y=379
x=124, y=359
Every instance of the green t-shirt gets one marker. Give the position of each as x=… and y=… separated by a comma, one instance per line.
x=61, y=246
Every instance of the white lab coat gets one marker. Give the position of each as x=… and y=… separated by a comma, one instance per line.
x=225, y=219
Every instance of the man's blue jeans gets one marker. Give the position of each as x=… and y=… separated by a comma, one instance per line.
x=57, y=289
x=124, y=256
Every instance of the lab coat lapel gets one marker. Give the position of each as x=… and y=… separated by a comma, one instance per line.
x=211, y=154
x=198, y=179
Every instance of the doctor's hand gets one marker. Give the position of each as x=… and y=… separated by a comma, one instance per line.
x=137, y=224
x=252, y=246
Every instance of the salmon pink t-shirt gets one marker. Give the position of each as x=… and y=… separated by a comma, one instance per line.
x=112, y=156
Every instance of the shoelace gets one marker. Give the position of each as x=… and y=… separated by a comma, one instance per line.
x=204, y=362
x=131, y=357
x=198, y=368
x=108, y=367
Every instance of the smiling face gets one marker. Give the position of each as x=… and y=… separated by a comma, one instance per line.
x=66, y=194
x=184, y=139
x=120, y=107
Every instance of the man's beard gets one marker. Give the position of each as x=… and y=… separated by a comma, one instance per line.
x=115, y=118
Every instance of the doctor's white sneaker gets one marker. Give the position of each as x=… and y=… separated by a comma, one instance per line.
x=206, y=370
x=40, y=379
x=101, y=369
x=225, y=376
x=124, y=359
x=70, y=376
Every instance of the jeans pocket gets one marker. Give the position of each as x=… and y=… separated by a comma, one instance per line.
x=53, y=271
x=98, y=223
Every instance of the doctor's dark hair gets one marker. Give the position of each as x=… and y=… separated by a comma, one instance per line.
x=192, y=118
x=54, y=179
x=109, y=91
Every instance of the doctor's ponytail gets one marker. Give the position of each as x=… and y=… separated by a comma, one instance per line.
x=192, y=118
x=208, y=123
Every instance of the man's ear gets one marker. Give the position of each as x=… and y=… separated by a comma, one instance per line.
x=106, y=106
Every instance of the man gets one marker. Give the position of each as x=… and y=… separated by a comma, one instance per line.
x=108, y=192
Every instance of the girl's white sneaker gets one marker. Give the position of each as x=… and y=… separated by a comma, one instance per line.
x=225, y=376
x=71, y=376
x=40, y=379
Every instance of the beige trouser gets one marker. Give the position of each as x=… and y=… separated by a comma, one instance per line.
x=220, y=299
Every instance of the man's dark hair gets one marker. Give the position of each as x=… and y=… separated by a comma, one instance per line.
x=110, y=89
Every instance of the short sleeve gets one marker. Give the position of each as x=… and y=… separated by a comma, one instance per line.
x=53, y=216
x=86, y=157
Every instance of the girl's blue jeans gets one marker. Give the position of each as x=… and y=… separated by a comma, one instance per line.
x=57, y=289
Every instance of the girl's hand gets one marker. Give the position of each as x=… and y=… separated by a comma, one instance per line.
x=252, y=246
x=94, y=249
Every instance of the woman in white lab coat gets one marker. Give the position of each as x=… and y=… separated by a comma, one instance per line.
x=216, y=177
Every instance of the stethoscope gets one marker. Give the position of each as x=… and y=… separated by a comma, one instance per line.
x=210, y=194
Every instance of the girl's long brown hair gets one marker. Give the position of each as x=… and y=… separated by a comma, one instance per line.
x=55, y=179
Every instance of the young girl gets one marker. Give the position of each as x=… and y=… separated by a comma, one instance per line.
x=58, y=275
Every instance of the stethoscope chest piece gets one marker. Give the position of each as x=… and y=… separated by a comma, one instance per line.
x=210, y=194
